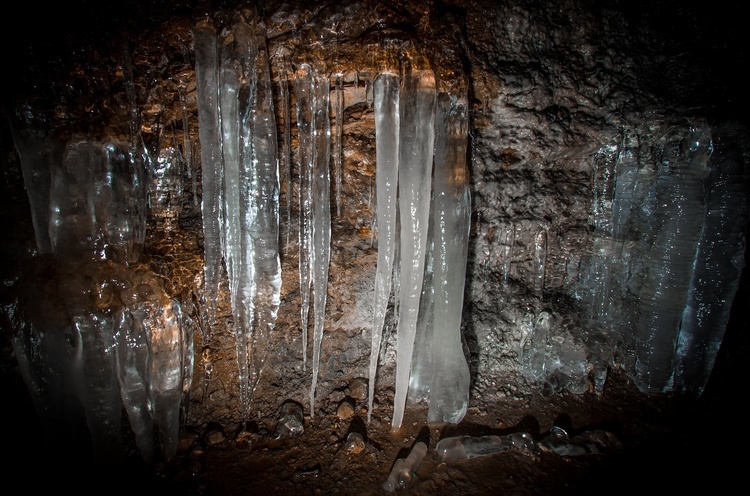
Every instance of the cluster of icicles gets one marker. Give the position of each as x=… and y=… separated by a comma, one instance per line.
x=422, y=216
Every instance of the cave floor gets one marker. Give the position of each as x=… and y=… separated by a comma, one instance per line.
x=664, y=444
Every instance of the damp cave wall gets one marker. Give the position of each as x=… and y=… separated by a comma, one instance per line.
x=553, y=89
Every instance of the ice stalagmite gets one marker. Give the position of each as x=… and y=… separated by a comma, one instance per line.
x=250, y=206
x=416, y=139
x=303, y=85
x=386, y=104
x=449, y=385
x=207, y=75
x=321, y=217
x=718, y=266
x=670, y=245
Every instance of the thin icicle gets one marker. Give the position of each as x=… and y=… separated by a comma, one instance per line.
x=338, y=110
x=188, y=146
x=540, y=261
x=302, y=88
x=386, y=103
x=286, y=148
x=417, y=135
x=206, y=70
x=321, y=217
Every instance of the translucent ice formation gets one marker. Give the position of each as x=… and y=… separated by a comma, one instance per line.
x=404, y=468
x=416, y=141
x=453, y=449
x=386, y=105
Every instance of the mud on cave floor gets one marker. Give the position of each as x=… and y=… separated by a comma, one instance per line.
x=665, y=444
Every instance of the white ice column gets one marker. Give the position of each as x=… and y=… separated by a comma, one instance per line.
x=386, y=104
x=416, y=140
x=449, y=386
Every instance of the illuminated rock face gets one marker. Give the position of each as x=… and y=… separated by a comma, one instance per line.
x=553, y=211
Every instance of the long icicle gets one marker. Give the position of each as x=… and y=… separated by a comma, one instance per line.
x=206, y=70
x=302, y=88
x=417, y=136
x=321, y=219
x=387, y=91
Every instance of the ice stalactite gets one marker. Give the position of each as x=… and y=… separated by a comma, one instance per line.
x=285, y=155
x=539, y=261
x=250, y=194
x=338, y=136
x=386, y=90
x=718, y=266
x=313, y=122
x=98, y=198
x=321, y=217
x=165, y=188
x=507, y=243
x=30, y=130
x=416, y=140
x=449, y=383
x=670, y=243
x=187, y=145
x=303, y=87
x=207, y=80
x=104, y=337
x=155, y=360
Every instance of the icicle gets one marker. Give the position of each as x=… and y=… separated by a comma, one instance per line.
x=303, y=86
x=338, y=110
x=671, y=243
x=206, y=71
x=386, y=103
x=718, y=267
x=188, y=146
x=540, y=261
x=507, y=243
x=417, y=111
x=449, y=385
x=30, y=129
x=251, y=195
x=321, y=217
x=286, y=150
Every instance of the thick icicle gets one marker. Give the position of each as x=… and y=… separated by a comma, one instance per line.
x=206, y=73
x=449, y=386
x=671, y=243
x=261, y=220
x=250, y=194
x=386, y=104
x=321, y=217
x=303, y=85
x=718, y=266
x=540, y=261
x=417, y=136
